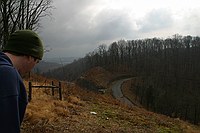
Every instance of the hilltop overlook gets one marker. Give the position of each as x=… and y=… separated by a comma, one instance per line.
x=87, y=111
x=137, y=77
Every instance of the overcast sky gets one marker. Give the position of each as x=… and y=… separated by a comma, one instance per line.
x=77, y=27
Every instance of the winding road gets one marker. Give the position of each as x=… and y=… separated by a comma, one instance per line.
x=117, y=93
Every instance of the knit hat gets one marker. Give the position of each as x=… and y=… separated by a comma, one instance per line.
x=25, y=42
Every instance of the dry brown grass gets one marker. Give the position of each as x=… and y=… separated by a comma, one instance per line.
x=47, y=114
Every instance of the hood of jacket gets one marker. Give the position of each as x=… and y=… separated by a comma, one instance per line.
x=4, y=60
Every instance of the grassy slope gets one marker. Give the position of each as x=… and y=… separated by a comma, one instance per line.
x=76, y=113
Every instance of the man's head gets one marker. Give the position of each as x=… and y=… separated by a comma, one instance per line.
x=25, y=42
x=25, y=49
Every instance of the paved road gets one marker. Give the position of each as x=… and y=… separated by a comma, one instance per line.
x=117, y=93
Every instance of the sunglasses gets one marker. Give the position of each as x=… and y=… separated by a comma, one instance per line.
x=36, y=60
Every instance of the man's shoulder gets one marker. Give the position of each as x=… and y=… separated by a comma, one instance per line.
x=8, y=81
x=7, y=70
x=4, y=60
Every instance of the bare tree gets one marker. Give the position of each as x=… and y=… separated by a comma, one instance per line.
x=21, y=14
x=102, y=54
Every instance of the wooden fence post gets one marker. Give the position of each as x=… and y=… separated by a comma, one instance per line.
x=30, y=91
x=52, y=88
x=37, y=86
x=60, y=93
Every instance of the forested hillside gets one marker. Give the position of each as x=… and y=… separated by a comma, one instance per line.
x=83, y=111
x=167, y=70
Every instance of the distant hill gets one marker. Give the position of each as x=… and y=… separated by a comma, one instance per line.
x=61, y=60
x=52, y=63
x=44, y=66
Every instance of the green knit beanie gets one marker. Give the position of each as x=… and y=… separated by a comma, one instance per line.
x=25, y=42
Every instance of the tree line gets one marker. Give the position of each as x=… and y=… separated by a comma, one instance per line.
x=21, y=14
x=167, y=71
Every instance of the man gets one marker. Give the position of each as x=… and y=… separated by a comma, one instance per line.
x=22, y=52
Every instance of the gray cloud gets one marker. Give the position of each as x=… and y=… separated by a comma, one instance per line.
x=112, y=24
x=191, y=22
x=73, y=28
x=156, y=20
x=78, y=27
